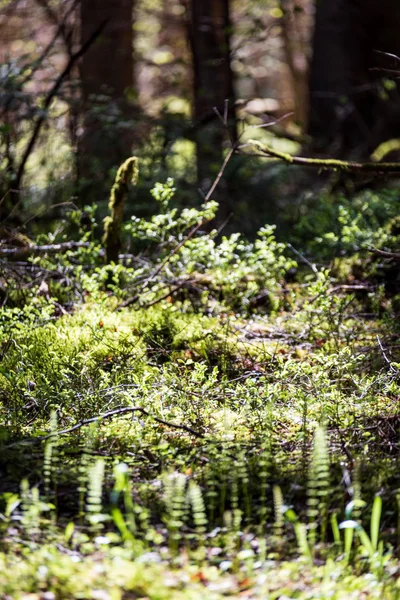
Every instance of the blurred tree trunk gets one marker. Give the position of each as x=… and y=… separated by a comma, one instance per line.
x=352, y=108
x=209, y=35
x=294, y=25
x=107, y=86
x=330, y=74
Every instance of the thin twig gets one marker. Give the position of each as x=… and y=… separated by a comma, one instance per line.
x=385, y=358
x=224, y=224
x=25, y=251
x=396, y=58
x=62, y=28
x=221, y=172
x=59, y=32
x=5, y=196
x=350, y=288
x=272, y=123
x=235, y=146
x=303, y=258
x=30, y=72
x=14, y=208
x=385, y=254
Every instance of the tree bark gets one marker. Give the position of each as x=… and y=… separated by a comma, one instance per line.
x=350, y=112
x=295, y=44
x=209, y=35
x=107, y=82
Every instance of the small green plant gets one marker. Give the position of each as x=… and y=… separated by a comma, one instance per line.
x=174, y=429
x=318, y=488
x=232, y=273
x=126, y=523
x=94, y=500
x=337, y=225
x=175, y=501
x=370, y=546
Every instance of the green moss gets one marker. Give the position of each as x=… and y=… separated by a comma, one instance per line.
x=127, y=173
x=169, y=429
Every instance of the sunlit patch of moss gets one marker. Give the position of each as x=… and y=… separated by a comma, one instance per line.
x=222, y=395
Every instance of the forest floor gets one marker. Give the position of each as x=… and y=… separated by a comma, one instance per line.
x=153, y=453
x=206, y=418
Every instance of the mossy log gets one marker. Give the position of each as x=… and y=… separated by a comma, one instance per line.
x=332, y=164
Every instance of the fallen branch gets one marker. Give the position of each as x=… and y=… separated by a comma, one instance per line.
x=20, y=252
x=350, y=288
x=331, y=164
x=385, y=254
x=108, y=415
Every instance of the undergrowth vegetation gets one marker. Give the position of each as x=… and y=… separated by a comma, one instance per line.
x=206, y=418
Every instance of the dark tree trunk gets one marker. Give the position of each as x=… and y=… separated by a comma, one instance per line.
x=349, y=114
x=209, y=34
x=107, y=83
x=294, y=24
x=330, y=78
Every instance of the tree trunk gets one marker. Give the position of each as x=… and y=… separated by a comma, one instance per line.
x=349, y=114
x=209, y=35
x=107, y=84
x=294, y=24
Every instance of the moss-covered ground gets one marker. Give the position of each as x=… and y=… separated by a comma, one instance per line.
x=154, y=453
x=205, y=418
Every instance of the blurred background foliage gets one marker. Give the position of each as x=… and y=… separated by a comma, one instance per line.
x=84, y=84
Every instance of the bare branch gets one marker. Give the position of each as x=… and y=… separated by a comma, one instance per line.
x=385, y=358
x=109, y=415
x=385, y=254
x=171, y=292
x=303, y=258
x=21, y=252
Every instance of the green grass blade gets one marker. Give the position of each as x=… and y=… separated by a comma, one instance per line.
x=375, y=522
